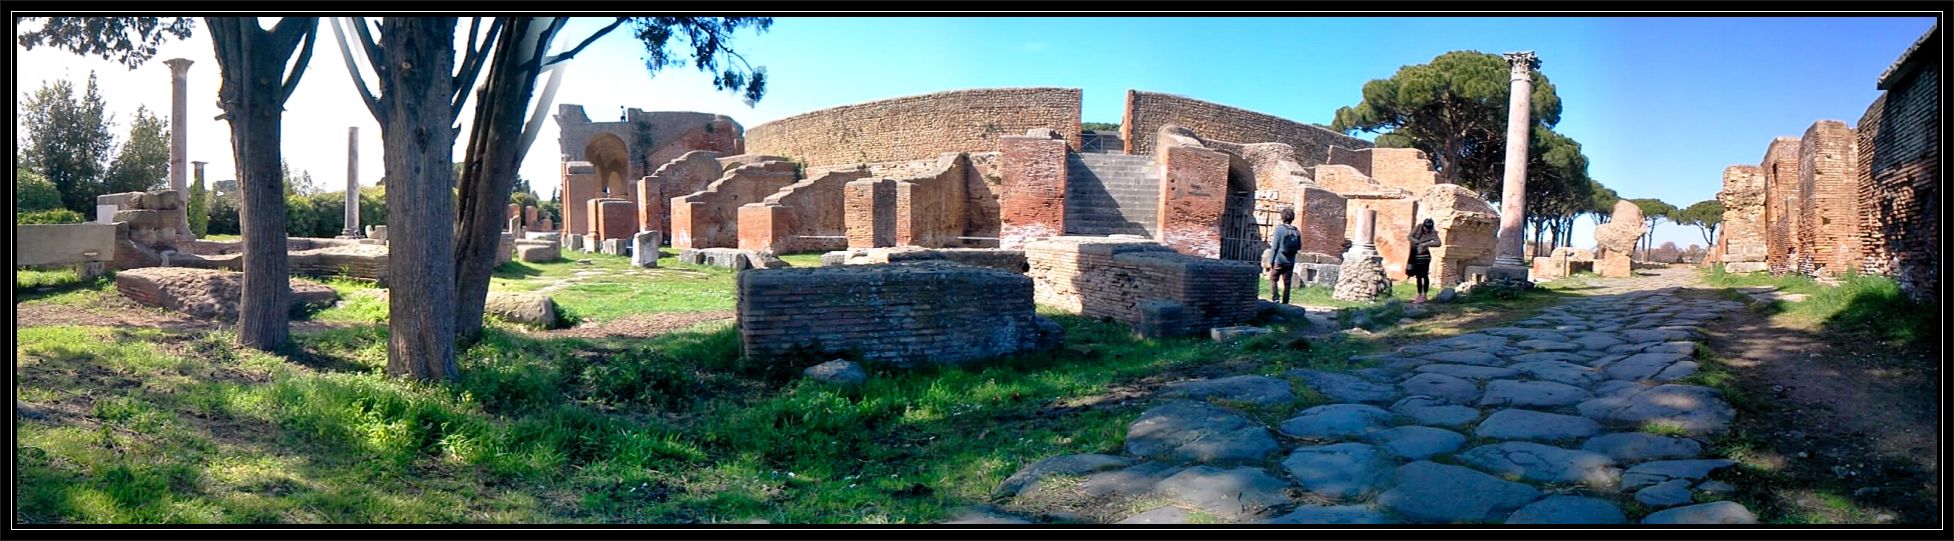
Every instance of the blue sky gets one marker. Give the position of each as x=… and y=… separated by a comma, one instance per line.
x=1660, y=105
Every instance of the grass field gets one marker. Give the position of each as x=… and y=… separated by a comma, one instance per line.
x=162, y=425
x=1859, y=305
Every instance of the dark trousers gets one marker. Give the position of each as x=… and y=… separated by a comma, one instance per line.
x=1279, y=283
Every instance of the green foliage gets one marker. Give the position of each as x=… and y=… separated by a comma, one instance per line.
x=316, y=215
x=49, y=216
x=1654, y=211
x=1112, y=127
x=1704, y=215
x=33, y=192
x=66, y=138
x=143, y=162
x=1454, y=109
x=197, y=207
x=224, y=218
x=129, y=41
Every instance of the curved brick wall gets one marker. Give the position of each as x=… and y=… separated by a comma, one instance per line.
x=918, y=127
x=1146, y=112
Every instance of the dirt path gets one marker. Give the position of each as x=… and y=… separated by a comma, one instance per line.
x=1851, y=423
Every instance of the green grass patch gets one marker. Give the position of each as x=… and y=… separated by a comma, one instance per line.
x=61, y=286
x=1866, y=306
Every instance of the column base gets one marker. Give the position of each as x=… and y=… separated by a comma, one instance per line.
x=1507, y=273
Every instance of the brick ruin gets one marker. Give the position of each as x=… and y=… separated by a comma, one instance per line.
x=1740, y=243
x=902, y=315
x=1840, y=198
x=1155, y=289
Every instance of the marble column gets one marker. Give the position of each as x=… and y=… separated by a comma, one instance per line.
x=179, y=140
x=1513, y=198
x=1365, y=245
x=352, y=184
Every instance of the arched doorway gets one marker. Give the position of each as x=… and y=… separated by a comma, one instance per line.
x=611, y=157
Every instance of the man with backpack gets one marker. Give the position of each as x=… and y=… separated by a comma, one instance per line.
x=1281, y=265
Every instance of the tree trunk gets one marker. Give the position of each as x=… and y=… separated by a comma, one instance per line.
x=252, y=65
x=489, y=171
x=419, y=54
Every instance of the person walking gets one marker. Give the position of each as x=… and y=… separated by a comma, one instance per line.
x=1423, y=239
x=1281, y=265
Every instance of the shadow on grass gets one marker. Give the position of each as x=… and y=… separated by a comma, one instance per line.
x=515, y=270
x=68, y=285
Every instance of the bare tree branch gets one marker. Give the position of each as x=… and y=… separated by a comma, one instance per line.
x=368, y=46
x=471, y=66
x=298, y=67
x=353, y=69
x=586, y=43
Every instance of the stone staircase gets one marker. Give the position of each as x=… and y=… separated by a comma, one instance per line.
x=1108, y=194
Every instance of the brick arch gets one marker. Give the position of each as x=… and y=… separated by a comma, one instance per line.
x=612, y=158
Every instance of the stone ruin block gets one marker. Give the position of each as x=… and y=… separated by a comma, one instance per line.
x=1317, y=274
x=1152, y=288
x=900, y=315
x=377, y=232
x=617, y=247
x=730, y=258
x=204, y=293
x=538, y=251
x=1004, y=260
x=644, y=248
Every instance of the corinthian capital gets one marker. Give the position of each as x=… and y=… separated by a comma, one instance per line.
x=1522, y=61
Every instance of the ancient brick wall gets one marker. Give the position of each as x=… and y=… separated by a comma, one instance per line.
x=1031, y=201
x=1154, y=289
x=1780, y=167
x=613, y=219
x=805, y=216
x=930, y=207
x=1899, y=177
x=652, y=138
x=869, y=213
x=1741, y=237
x=1406, y=168
x=1828, y=192
x=1467, y=226
x=917, y=127
x=685, y=175
x=1320, y=217
x=710, y=218
x=1146, y=112
x=580, y=185
x=900, y=314
x=1193, y=195
x=1395, y=215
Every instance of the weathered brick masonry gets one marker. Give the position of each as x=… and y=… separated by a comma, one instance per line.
x=805, y=216
x=1031, y=199
x=917, y=127
x=902, y=314
x=1146, y=112
x=1828, y=215
x=1154, y=289
x=1781, y=209
x=1740, y=241
x=710, y=218
x=1899, y=172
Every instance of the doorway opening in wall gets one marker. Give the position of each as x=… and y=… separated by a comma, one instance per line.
x=1242, y=234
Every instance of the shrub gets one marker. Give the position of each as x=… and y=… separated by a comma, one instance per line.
x=34, y=192
x=50, y=216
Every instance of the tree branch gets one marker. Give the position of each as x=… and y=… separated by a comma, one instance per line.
x=586, y=43
x=368, y=46
x=353, y=69
x=305, y=58
x=471, y=66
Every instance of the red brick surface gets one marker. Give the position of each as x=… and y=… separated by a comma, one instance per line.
x=1031, y=200
x=918, y=127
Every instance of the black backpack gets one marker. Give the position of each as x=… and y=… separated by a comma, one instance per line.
x=1290, y=240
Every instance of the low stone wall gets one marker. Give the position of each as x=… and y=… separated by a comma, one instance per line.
x=204, y=293
x=1012, y=261
x=1031, y=200
x=1154, y=289
x=63, y=244
x=901, y=315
